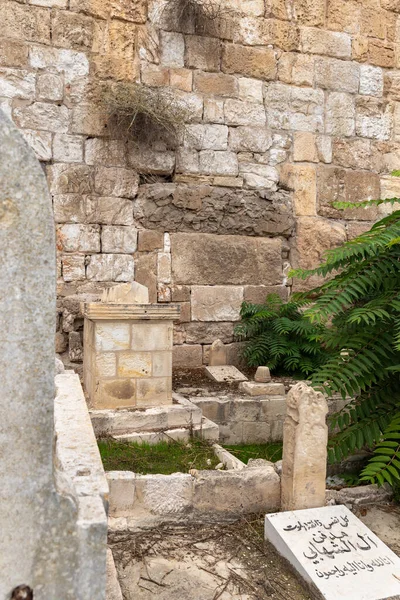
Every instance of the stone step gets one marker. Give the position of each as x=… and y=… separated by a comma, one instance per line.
x=206, y=430
x=183, y=415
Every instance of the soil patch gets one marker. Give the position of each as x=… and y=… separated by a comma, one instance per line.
x=203, y=562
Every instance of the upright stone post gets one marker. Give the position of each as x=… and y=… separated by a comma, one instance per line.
x=41, y=520
x=305, y=439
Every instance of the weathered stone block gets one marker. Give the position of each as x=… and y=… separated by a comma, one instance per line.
x=68, y=148
x=13, y=53
x=344, y=15
x=150, y=240
x=15, y=83
x=151, y=336
x=297, y=69
x=128, y=10
x=70, y=179
x=202, y=53
x=119, y=240
x=202, y=259
x=162, y=364
x=381, y=53
x=100, y=151
x=164, y=267
x=109, y=210
x=115, y=393
x=260, y=63
x=330, y=43
x=73, y=267
x=122, y=493
x=216, y=303
x=217, y=84
x=146, y=273
x=112, y=336
x=374, y=118
x=207, y=137
x=256, y=433
x=182, y=79
x=353, y=153
x=371, y=80
x=25, y=22
x=172, y=49
x=49, y=87
x=337, y=75
x=250, y=89
x=252, y=388
x=303, y=180
x=310, y=12
x=110, y=267
x=40, y=142
x=249, y=139
x=134, y=364
x=40, y=115
x=106, y=364
x=116, y=181
x=165, y=494
x=78, y=238
x=72, y=30
x=290, y=107
x=187, y=356
x=340, y=114
x=218, y=162
x=201, y=333
x=257, y=294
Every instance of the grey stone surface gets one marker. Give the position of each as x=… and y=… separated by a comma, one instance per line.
x=40, y=511
x=225, y=374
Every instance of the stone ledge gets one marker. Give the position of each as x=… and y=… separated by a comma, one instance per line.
x=130, y=312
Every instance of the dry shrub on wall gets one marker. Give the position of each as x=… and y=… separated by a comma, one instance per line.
x=145, y=115
x=204, y=17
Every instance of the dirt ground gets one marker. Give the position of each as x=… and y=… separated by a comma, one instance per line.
x=203, y=562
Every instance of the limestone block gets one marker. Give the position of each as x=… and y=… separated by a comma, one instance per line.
x=72, y=30
x=310, y=12
x=164, y=267
x=256, y=433
x=49, y=86
x=305, y=439
x=344, y=15
x=249, y=139
x=290, y=107
x=337, y=75
x=303, y=180
x=353, y=153
x=253, y=181
x=13, y=53
x=218, y=162
x=202, y=258
x=40, y=142
x=381, y=54
x=153, y=392
x=313, y=237
x=16, y=83
x=165, y=494
x=244, y=409
x=297, y=69
x=126, y=293
x=78, y=238
x=180, y=293
x=100, y=151
x=340, y=114
x=122, y=39
x=217, y=303
x=217, y=84
x=262, y=375
x=112, y=336
x=213, y=110
x=250, y=89
x=259, y=63
x=145, y=273
x=116, y=181
x=88, y=121
x=73, y=65
x=110, y=267
x=115, y=393
x=109, y=210
x=262, y=389
x=150, y=240
x=201, y=333
x=25, y=22
x=73, y=267
x=371, y=80
x=257, y=293
x=68, y=148
x=70, y=179
x=172, y=49
x=118, y=240
x=206, y=137
x=217, y=356
x=181, y=79
x=151, y=336
x=237, y=492
x=273, y=409
x=238, y=112
x=187, y=356
x=374, y=118
x=202, y=53
x=305, y=147
x=122, y=493
x=155, y=76
x=134, y=364
x=105, y=364
x=324, y=147
x=40, y=115
x=162, y=364
x=330, y=43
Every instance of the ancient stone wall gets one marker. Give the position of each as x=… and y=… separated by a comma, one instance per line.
x=293, y=104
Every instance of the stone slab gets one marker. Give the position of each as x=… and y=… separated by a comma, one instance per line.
x=336, y=553
x=262, y=389
x=225, y=374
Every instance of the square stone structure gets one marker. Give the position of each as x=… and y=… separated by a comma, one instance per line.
x=128, y=354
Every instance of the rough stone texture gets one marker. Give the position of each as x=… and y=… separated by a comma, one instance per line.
x=61, y=554
x=305, y=439
x=202, y=259
x=217, y=356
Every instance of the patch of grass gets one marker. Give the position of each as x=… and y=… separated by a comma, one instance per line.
x=244, y=452
x=163, y=458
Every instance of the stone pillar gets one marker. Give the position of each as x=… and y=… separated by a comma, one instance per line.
x=40, y=546
x=128, y=354
x=305, y=439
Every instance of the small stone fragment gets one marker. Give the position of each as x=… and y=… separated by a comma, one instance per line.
x=218, y=355
x=262, y=375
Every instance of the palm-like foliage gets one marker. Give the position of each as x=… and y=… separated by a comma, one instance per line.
x=361, y=303
x=280, y=337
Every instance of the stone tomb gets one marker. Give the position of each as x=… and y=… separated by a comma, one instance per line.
x=128, y=354
x=336, y=553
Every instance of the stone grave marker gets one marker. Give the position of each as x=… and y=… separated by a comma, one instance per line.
x=225, y=374
x=218, y=354
x=335, y=553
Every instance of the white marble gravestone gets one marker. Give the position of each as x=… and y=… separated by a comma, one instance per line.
x=336, y=553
